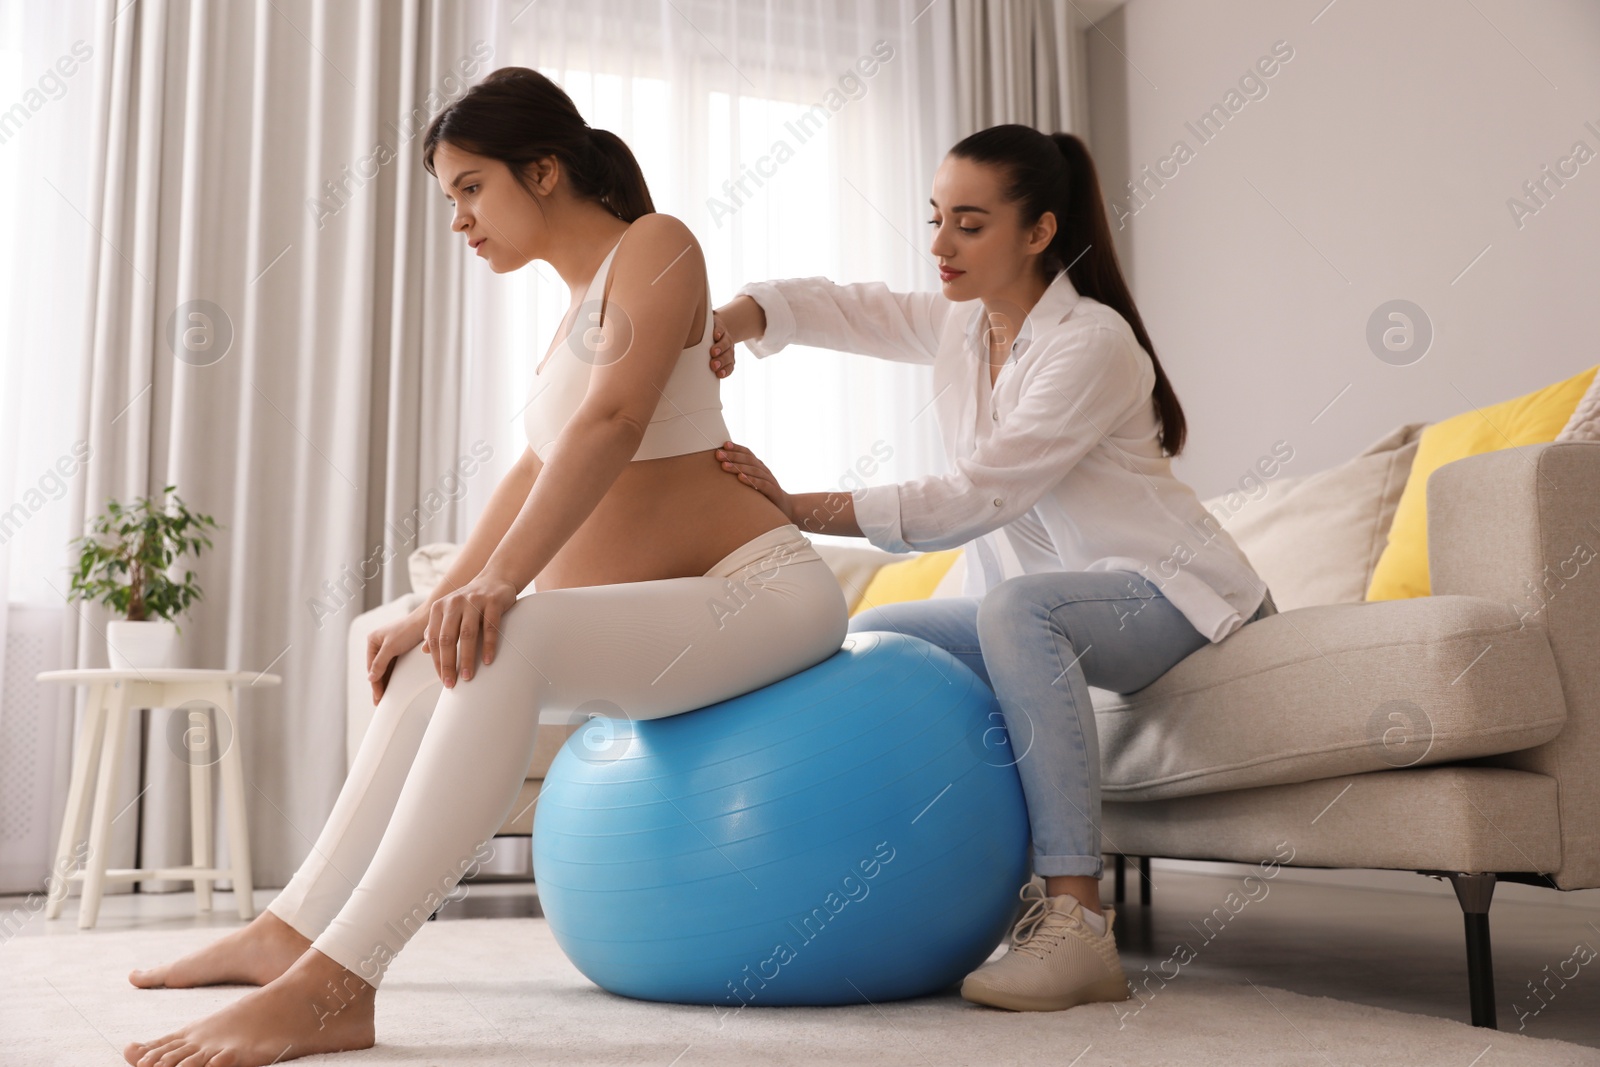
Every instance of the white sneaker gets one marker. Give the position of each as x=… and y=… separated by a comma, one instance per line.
x=1055, y=960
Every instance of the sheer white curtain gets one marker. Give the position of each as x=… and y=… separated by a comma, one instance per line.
x=46, y=74
x=179, y=159
x=260, y=158
x=793, y=139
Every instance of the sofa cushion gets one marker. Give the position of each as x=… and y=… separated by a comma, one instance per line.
x=1331, y=690
x=1315, y=538
x=1539, y=416
x=910, y=579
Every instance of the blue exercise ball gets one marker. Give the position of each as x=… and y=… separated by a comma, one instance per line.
x=855, y=832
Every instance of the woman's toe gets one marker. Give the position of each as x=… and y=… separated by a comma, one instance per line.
x=198, y=1058
x=179, y=1052
x=146, y=1054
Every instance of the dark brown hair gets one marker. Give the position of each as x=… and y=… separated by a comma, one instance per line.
x=1053, y=172
x=519, y=116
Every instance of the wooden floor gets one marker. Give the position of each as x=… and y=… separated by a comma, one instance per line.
x=1388, y=939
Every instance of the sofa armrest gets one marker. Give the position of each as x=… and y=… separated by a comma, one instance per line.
x=358, y=694
x=1518, y=526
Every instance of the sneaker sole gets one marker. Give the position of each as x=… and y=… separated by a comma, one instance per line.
x=1109, y=988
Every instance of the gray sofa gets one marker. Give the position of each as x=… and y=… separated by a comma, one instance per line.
x=1456, y=734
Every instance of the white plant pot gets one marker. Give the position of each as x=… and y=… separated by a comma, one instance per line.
x=148, y=644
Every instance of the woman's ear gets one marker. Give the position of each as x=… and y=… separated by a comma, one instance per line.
x=544, y=173
x=1042, y=233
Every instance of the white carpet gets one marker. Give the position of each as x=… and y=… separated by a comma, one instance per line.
x=499, y=991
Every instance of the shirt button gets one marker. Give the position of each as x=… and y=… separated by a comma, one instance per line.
x=995, y=415
x=996, y=501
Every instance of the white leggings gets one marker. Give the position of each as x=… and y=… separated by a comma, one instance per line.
x=439, y=769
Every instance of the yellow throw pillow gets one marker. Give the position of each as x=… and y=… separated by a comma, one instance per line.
x=911, y=579
x=1402, y=570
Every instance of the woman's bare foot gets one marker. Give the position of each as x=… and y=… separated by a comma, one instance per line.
x=315, y=1006
x=254, y=954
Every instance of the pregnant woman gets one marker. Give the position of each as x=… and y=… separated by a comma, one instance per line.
x=621, y=515
x=1059, y=424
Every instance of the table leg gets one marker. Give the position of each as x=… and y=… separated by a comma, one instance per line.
x=233, y=798
x=199, y=741
x=94, y=869
x=85, y=759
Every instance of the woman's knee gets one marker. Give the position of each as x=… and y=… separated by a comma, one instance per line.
x=410, y=676
x=520, y=647
x=870, y=619
x=1016, y=600
x=936, y=621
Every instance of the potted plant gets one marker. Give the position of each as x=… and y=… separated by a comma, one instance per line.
x=123, y=563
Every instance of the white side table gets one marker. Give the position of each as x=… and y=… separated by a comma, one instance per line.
x=112, y=694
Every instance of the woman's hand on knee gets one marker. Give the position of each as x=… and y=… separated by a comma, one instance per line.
x=462, y=621
x=387, y=643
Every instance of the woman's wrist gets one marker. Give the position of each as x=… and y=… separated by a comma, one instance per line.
x=758, y=319
x=827, y=512
x=744, y=319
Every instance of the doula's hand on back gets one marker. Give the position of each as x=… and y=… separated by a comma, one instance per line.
x=721, y=348
x=740, y=319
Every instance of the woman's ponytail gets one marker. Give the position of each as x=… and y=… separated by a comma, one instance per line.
x=618, y=177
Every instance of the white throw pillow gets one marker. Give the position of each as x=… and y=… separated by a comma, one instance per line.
x=1584, y=425
x=1315, y=538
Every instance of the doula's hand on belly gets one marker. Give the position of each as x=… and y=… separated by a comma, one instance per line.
x=463, y=619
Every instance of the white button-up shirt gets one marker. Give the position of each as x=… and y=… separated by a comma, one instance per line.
x=1060, y=456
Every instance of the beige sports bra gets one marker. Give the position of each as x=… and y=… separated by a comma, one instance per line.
x=688, y=417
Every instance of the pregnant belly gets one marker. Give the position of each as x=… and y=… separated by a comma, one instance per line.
x=663, y=518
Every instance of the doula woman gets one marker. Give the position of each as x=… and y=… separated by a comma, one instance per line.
x=1060, y=425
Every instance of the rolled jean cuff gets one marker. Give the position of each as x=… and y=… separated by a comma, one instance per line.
x=1069, y=866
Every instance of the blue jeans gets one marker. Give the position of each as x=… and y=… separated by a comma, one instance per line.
x=1039, y=641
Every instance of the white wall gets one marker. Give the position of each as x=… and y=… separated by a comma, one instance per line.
x=1377, y=165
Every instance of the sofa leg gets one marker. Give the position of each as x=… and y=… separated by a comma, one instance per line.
x=1474, y=891
x=1119, y=881
x=1145, y=884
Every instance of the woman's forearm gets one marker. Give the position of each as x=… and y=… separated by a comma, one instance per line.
x=580, y=468
x=504, y=504
x=743, y=319
x=826, y=513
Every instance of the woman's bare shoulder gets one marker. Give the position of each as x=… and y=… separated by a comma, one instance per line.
x=661, y=261
x=661, y=231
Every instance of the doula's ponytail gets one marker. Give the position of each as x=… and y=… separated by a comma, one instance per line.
x=1053, y=172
